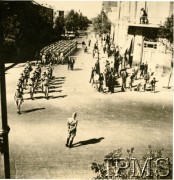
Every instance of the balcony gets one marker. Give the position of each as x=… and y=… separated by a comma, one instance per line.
x=154, y=22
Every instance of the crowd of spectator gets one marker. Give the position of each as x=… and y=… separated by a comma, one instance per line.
x=120, y=72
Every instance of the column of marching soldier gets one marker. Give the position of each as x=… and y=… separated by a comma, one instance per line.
x=33, y=79
x=56, y=53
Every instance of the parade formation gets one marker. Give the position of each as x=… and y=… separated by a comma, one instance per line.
x=33, y=80
x=104, y=79
x=83, y=89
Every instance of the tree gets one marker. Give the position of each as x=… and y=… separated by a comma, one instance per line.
x=75, y=21
x=71, y=21
x=26, y=28
x=59, y=26
x=83, y=22
x=166, y=32
x=101, y=23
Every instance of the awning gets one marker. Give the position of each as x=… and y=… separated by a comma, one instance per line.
x=127, y=45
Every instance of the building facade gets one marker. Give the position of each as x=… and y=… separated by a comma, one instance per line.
x=140, y=40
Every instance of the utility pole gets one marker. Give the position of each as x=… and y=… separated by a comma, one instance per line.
x=4, y=128
x=118, y=21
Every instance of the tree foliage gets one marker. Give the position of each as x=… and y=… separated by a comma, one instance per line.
x=59, y=26
x=101, y=23
x=166, y=31
x=26, y=28
x=75, y=21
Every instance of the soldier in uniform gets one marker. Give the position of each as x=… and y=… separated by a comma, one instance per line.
x=19, y=85
x=28, y=65
x=18, y=99
x=72, y=128
x=69, y=62
x=42, y=80
x=26, y=73
x=146, y=79
x=51, y=70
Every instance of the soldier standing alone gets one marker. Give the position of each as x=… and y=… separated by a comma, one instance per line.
x=72, y=128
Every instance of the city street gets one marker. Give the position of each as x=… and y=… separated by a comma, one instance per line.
x=106, y=122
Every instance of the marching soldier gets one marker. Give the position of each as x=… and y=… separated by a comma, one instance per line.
x=18, y=99
x=72, y=128
x=26, y=73
x=28, y=65
x=43, y=80
x=19, y=85
x=46, y=87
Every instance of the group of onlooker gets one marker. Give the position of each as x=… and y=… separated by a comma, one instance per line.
x=139, y=77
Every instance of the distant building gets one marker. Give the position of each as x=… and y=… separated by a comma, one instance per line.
x=140, y=40
x=108, y=5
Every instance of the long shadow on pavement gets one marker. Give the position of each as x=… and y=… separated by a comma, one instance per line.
x=57, y=83
x=87, y=142
x=54, y=97
x=77, y=69
x=60, y=78
x=55, y=91
x=31, y=110
x=57, y=80
x=54, y=87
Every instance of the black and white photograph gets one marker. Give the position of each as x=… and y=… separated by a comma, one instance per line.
x=86, y=89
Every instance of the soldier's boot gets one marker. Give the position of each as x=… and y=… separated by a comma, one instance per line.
x=70, y=144
x=67, y=141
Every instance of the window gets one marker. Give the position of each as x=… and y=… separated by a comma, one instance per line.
x=151, y=45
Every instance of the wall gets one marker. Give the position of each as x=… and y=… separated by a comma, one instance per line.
x=138, y=43
x=129, y=12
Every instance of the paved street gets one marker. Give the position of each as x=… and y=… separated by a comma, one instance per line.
x=106, y=122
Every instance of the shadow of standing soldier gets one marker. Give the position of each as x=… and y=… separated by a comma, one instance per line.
x=87, y=142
